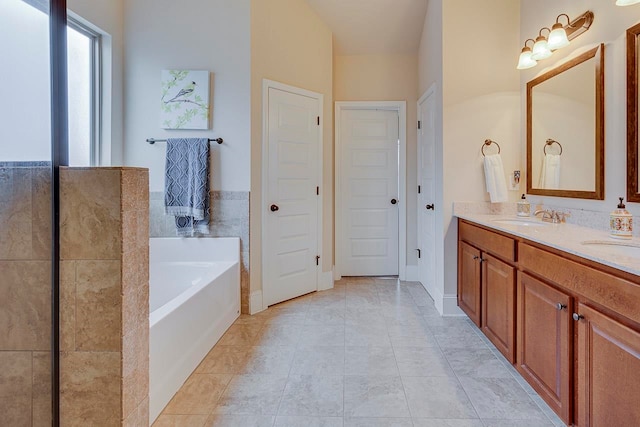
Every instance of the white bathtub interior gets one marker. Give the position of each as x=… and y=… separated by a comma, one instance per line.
x=194, y=297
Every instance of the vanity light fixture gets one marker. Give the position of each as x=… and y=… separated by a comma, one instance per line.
x=559, y=37
x=526, y=61
x=626, y=2
x=541, y=46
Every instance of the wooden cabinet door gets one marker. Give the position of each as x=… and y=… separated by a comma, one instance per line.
x=469, y=281
x=608, y=383
x=498, y=304
x=544, y=342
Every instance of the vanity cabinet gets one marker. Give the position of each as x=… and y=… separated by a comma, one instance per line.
x=608, y=370
x=544, y=342
x=469, y=281
x=486, y=284
x=574, y=323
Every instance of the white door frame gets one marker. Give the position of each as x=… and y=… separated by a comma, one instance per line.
x=401, y=108
x=264, y=211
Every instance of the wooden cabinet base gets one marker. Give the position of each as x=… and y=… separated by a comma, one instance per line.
x=544, y=337
x=608, y=383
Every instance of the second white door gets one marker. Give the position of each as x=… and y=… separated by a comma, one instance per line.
x=427, y=196
x=369, y=193
x=291, y=251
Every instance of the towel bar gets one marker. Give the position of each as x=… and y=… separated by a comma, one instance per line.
x=153, y=140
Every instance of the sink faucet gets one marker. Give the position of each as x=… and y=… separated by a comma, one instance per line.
x=550, y=216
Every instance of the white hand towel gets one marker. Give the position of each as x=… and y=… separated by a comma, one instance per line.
x=550, y=175
x=495, y=179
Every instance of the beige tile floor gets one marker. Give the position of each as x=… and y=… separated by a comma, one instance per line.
x=371, y=352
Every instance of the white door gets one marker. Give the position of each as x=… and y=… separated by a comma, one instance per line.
x=427, y=196
x=291, y=200
x=369, y=193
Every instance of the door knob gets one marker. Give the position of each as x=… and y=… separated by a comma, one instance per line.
x=274, y=208
x=577, y=316
x=561, y=306
x=394, y=201
x=431, y=207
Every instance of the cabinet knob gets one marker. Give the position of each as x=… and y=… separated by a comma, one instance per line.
x=274, y=208
x=431, y=207
x=577, y=316
x=483, y=260
x=476, y=257
x=394, y=201
x=561, y=306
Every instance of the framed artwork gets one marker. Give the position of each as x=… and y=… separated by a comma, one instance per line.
x=184, y=99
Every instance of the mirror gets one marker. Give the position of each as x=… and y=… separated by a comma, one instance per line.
x=565, y=129
x=633, y=160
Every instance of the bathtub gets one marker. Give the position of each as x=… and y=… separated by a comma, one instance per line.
x=194, y=296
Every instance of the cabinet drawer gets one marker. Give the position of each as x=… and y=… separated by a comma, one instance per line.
x=615, y=293
x=494, y=243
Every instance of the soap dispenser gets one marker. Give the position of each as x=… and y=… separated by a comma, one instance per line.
x=621, y=222
x=524, y=208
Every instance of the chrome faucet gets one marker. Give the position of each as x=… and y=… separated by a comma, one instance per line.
x=551, y=216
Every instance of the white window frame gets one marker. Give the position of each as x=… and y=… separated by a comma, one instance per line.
x=95, y=148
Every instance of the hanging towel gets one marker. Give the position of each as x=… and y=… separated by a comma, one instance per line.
x=494, y=175
x=186, y=193
x=550, y=175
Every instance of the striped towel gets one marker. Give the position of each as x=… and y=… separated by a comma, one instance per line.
x=186, y=193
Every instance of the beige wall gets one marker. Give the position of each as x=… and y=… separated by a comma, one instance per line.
x=211, y=35
x=386, y=78
x=291, y=45
x=477, y=96
x=481, y=100
x=609, y=27
x=430, y=50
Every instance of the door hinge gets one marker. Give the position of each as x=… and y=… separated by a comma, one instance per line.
x=419, y=124
x=317, y=259
x=318, y=120
x=317, y=191
x=419, y=253
x=419, y=189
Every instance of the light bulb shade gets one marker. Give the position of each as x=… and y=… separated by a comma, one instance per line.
x=626, y=2
x=541, y=49
x=526, y=61
x=558, y=37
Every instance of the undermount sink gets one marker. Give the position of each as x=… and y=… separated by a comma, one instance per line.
x=522, y=222
x=624, y=248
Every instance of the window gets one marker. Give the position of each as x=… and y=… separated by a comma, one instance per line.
x=83, y=70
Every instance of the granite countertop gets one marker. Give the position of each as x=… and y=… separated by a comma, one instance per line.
x=568, y=238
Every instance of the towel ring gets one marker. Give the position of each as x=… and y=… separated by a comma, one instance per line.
x=489, y=142
x=551, y=142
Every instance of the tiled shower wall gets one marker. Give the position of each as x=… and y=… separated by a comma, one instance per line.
x=25, y=295
x=229, y=218
x=104, y=297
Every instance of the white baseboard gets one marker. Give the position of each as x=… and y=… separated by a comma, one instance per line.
x=325, y=281
x=336, y=274
x=450, y=306
x=255, y=302
x=411, y=274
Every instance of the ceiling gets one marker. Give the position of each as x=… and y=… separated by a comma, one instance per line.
x=373, y=26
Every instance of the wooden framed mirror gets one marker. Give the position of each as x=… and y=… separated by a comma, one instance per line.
x=565, y=129
x=633, y=160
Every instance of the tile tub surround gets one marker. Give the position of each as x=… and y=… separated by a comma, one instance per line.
x=312, y=362
x=567, y=238
x=25, y=293
x=104, y=292
x=229, y=218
